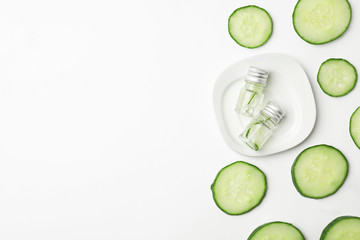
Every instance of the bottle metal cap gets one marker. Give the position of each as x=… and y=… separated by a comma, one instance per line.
x=274, y=112
x=257, y=75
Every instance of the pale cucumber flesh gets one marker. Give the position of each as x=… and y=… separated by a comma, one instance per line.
x=321, y=21
x=337, y=77
x=319, y=171
x=238, y=188
x=276, y=230
x=342, y=228
x=250, y=26
x=355, y=127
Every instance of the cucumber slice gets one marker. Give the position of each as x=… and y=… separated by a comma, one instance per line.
x=321, y=21
x=337, y=77
x=342, y=228
x=319, y=171
x=238, y=188
x=250, y=26
x=276, y=230
x=355, y=127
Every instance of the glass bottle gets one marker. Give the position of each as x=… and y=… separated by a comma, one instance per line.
x=251, y=95
x=258, y=131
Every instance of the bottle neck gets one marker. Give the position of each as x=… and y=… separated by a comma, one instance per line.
x=253, y=86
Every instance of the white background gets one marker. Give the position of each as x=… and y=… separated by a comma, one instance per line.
x=107, y=129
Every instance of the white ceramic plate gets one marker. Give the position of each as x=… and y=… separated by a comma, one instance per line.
x=288, y=86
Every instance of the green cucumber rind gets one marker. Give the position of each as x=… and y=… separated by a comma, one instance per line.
x=352, y=115
x=337, y=59
x=320, y=43
x=261, y=226
x=333, y=223
x=293, y=175
x=248, y=210
x=251, y=6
